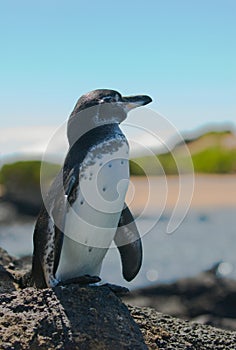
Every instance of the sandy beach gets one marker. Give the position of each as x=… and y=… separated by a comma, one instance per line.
x=200, y=191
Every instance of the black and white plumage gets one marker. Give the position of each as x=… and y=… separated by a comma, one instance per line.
x=84, y=210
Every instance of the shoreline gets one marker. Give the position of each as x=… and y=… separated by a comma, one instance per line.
x=156, y=192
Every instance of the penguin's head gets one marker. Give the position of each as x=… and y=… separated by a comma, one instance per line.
x=100, y=107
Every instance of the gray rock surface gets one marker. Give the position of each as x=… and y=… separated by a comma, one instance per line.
x=206, y=298
x=162, y=331
x=69, y=317
x=6, y=280
x=92, y=317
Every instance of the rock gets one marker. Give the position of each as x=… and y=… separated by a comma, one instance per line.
x=6, y=279
x=92, y=317
x=11, y=269
x=8, y=212
x=24, y=200
x=70, y=317
x=29, y=320
x=74, y=317
x=166, y=332
x=5, y=258
x=206, y=298
x=12, y=211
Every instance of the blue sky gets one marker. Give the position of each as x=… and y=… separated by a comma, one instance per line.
x=180, y=52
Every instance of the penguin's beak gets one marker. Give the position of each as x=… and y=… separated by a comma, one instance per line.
x=132, y=102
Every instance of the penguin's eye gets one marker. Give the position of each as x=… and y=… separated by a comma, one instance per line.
x=108, y=99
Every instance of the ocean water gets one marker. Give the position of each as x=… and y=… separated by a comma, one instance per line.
x=204, y=238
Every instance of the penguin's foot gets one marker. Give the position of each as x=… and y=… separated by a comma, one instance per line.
x=86, y=279
x=117, y=290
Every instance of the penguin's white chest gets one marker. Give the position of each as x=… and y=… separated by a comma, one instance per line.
x=91, y=222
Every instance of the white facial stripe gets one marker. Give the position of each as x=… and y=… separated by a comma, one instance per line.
x=131, y=105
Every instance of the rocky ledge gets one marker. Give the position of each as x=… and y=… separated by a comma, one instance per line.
x=208, y=298
x=91, y=317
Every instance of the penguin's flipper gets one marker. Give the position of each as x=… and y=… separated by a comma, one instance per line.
x=49, y=231
x=59, y=214
x=43, y=255
x=59, y=224
x=128, y=241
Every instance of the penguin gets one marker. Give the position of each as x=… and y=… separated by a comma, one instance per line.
x=84, y=210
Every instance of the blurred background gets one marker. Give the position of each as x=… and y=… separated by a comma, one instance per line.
x=183, y=156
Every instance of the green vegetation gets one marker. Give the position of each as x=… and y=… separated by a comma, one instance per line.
x=216, y=153
x=155, y=165
x=211, y=153
x=19, y=175
x=168, y=163
x=215, y=160
x=21, y=172
x=136, y=168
